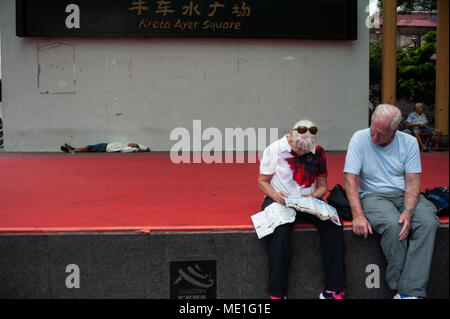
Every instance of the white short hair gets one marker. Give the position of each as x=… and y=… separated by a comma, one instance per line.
x=388, y=111
x=304, y=122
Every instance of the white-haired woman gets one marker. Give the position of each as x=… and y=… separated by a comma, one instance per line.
x=292, y=166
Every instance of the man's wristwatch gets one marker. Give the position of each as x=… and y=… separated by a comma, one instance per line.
x=408, y=209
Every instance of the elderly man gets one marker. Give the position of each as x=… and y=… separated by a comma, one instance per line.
x=291, y=166
x=389, y=202
x=417, y=122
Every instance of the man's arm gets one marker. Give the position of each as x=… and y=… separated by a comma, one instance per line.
x=410, y=201
x=361, y=225
x=322, y=187
x=426, y=121
x=412, y=191
x=410, y=125
x=264, y=185
x=409, y=121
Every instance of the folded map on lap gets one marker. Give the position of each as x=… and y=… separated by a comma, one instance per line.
x=276, y=214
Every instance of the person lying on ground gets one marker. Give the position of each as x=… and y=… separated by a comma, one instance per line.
x=106, y=147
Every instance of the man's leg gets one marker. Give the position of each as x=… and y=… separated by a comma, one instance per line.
x=437, y=133
x=417, y=133
x=416, y=271
x=332, y=242
x=97, y=147
x=383, y=217
x=279, y=251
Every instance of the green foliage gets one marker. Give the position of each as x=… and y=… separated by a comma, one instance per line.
x=375, y=62
x=430, y=37
x=416, y=74
x=407, y=6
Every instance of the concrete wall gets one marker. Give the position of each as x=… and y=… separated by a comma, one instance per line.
x=85, y=91
x=138, y=265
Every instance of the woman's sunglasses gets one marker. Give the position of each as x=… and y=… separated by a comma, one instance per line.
x=304, y=129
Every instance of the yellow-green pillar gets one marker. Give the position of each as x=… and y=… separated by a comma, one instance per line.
x=389, y=77
x=442, y=84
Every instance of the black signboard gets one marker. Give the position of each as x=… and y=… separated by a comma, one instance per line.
x=290, y=19
x=193, y=279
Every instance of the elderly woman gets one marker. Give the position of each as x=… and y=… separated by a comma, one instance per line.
x=291, y=166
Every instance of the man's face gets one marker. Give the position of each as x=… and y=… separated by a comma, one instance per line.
x=380, y=131
x=298, y=150
x=303, y=142
x=419, y=109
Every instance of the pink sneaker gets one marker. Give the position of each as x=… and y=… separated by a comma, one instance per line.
x=327, y=294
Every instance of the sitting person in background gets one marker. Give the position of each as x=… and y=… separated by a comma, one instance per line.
x=417, y=122
x=106, y=147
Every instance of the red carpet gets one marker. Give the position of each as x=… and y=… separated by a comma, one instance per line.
x=146, y=192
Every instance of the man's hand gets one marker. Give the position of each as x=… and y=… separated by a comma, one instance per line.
x=361, y=226
x=405, y=220
x=412, y=194
x=279, y=197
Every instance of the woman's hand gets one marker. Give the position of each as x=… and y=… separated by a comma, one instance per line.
x=322, y=188
x=264, y=185
x=279, y=197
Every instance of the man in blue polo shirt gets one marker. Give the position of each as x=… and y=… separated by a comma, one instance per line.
x=388, y=200
x=417, y=122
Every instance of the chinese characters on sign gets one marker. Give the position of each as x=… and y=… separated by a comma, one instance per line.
x=138, y=6
x=239, y=9
x=165, y=11
x=282, y=19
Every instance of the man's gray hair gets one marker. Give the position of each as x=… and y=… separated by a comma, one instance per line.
x=388, y=111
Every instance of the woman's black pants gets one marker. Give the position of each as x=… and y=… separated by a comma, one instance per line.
x=279, y=249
